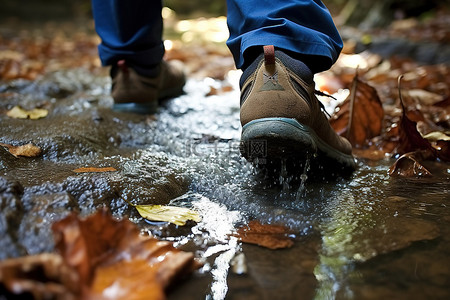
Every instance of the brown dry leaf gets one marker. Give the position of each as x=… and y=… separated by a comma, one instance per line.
x=98, y=244
x=265, y=235
x=422, y=96
x=39, y=276
x=410, y=140
x=94, y=170
x=360, y=117
x=410, y=165
x=18, y=112
x=27, y=150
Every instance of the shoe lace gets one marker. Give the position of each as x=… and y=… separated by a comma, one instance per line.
x=320, y=93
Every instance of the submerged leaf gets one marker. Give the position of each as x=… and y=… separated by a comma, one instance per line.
x=18, y=112
x=265, y=235
x=93, y=169
x=27, y=150
x=172, y=214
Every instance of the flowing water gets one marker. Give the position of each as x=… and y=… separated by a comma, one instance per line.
x=369, y=236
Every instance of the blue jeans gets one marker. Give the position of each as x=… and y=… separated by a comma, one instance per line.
x=132, y=29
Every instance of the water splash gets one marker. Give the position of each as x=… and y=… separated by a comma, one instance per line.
x=303, y=177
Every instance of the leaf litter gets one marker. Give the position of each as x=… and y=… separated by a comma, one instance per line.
x=411, y=126
x=428, y=83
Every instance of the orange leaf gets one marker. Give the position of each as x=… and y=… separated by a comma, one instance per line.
x=132, y=280
x=360, y=117
x=104, y=251
x=265, y=235
x=27, y=150
x=93, y=169
x=38, y=277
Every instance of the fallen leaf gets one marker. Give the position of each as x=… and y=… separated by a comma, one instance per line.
x=410, y=140
x=360, y=117
x=437, y=136
x=99, y=258
x=93, y=170
x=172, y=214
x=107, y=254
x=410, y=165
x=19, y=113
x=39, y=276
x=371, y=154
x=265, y=235
x=27, y=150
x=422, y=96
x=131, y=280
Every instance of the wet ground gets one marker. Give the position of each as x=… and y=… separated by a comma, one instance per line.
x=364, y=237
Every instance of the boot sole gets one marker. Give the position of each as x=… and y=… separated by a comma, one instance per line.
x=149, y=107
x=137, y=108
x=270, y=139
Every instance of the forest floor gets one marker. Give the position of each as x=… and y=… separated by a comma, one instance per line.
x=204, y=222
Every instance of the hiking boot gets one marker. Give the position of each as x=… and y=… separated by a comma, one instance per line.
x=136, y=93
x=282, y=118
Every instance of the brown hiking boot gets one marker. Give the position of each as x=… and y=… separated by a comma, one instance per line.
x=133, y=92
x=282, y=118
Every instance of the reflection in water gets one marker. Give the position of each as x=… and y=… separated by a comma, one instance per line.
x=347, y=231
x=365, y=222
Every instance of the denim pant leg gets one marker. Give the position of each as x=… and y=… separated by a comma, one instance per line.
x=129, y=30
x=303, y=27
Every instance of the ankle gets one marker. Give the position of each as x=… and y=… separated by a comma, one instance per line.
x=124, y=66
x=254, y=55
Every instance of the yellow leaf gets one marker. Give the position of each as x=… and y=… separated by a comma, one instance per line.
x=172, y=214
x=93, y=169
x=19, y=113
x=28, y=150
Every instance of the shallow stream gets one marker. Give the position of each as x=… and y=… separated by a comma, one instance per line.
x=369, y=236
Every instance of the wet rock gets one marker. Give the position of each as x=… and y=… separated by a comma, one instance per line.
x=41, y=211
x=11, y=215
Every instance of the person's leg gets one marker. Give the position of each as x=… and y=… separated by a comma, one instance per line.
x=303, y=27
x=130, y=30
x=280, y=115
x=131, y=34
